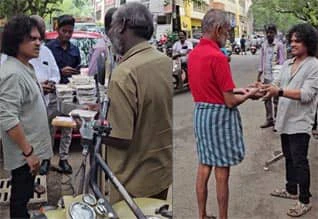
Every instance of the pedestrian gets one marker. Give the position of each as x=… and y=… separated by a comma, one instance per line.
x=140, y=113
x=103, y=60
x=23, y=119
x=217, y=123
x=68, y=59
x=47, y=74
x=243, y=45
x=3, y=57
x=271, y=54
x=297, y=89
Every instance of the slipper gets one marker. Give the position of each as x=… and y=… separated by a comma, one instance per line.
x=315, y=133
x=39, y=189
x=209, y=217
x=282, y=193
x=299, y=209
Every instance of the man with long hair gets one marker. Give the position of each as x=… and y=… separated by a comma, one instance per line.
x=297, y=89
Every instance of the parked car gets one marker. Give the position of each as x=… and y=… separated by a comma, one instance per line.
x=84, y=40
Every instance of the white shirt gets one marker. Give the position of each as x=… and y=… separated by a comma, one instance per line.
x=46, y=68
x=3, y=57
x=182, y=48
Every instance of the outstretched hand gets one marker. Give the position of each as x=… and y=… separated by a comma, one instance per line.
x=260, y=93
x=270, y=90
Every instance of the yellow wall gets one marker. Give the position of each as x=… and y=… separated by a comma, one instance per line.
x=185, y=23
x=196, y=22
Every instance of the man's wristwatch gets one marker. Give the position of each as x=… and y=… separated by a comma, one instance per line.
x=281, y=92
x=29, y=154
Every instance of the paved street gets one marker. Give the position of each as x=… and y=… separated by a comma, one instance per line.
x=250, y=185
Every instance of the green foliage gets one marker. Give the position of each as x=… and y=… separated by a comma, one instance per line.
x=285, y=12
x=9, y=8
x=77, y=8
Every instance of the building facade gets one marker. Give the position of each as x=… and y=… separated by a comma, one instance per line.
x=191, y=13
x=161, y=10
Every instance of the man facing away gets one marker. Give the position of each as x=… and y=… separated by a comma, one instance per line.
x=297, y=89
x=140, y=113
x=103, y=59
x=217, y=123
x=67, y=57
x=23, y=119
x=271, y=54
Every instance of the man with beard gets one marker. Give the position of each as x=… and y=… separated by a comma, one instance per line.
x=272, y=53
x=140, y=113
x=23, y=119
x=297, y=89
x=67, y=57
x=217, y=122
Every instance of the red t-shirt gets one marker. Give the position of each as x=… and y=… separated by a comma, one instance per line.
x=209, y=73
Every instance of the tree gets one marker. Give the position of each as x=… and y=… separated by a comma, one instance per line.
x=10, y=8
x=83, y=8
x=306, y=11
x=264, y=14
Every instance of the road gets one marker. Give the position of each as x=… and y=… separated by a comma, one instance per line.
x=250, y=185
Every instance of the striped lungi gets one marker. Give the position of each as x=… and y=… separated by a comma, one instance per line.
x=219, y=136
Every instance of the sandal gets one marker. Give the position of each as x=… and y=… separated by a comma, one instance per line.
x=315, y=133
x=299, y=209
x=209, y=217
x=282, y=193
x=39, y=189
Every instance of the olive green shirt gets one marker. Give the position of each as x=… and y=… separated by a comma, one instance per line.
x=141, y=111
x=21, y=102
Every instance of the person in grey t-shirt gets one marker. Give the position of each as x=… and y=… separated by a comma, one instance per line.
x=23, y=119
x=297, y=88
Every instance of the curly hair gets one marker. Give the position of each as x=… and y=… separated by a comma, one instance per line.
x=307, y=34
x=15, y=32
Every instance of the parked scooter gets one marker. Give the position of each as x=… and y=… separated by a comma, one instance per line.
x=237, y=49
x=180, y=74
x=253, y=50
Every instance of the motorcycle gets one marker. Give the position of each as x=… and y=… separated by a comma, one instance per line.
x=89, y=201
x=253, y=50
x=179, y=73
x=237, y=49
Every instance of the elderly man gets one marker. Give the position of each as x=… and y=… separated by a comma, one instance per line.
x=272, y=53
x=140, y=151
x=217, y=123
x=23, y=119
x=297, y=89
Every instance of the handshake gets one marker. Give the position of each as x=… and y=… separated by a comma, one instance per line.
x=258, y=90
